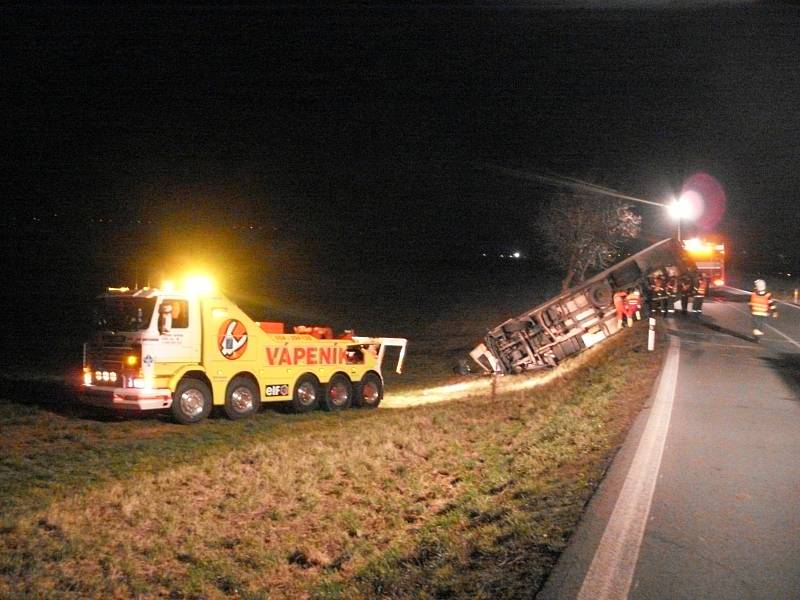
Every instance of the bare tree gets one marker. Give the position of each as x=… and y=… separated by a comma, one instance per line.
x=583, y=231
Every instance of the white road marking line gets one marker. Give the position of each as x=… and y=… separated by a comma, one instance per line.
x=783, y=335
x=611, y=573
x=702, y=343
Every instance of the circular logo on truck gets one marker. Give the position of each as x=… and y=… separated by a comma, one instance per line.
x=232, y=339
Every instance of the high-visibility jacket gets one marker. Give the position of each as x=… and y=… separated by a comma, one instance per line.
x=619, y=303
x=761, y=304
x=633, y=299
x=702, y=287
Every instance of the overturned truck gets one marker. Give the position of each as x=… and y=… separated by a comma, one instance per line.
x=577, y=318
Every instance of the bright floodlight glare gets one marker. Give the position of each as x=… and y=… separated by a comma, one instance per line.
x=198, y=284
x=168, y=286
x=680, y=208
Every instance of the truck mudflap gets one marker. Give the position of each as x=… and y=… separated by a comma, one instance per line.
x=132, y=399
x=576, y=319
x=380, y=344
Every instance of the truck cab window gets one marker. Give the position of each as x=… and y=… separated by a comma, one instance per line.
x=180, y=313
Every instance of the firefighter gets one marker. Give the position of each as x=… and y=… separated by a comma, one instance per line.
x=633, y=306
x=619, y=305
x=700, y=291
x=659, y=295
x=762, y=306
x=670, y=294
x=647, y=298
x=685, y=289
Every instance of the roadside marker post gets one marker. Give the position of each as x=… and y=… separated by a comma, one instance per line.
x=651, y=335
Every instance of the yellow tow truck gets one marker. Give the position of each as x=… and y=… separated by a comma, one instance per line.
x=192, y=348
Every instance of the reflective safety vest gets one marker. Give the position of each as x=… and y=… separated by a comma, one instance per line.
x=633, y=299
x=760, y=304
x=701, y=287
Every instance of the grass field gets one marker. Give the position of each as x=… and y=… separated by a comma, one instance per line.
x=462, y=499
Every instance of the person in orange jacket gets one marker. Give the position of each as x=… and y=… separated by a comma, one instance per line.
x=762, y=305
x=633, y=305
x=619, y=305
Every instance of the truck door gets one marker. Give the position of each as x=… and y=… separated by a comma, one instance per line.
x=179, y=330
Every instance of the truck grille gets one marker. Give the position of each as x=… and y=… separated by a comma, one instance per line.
x=106, y=358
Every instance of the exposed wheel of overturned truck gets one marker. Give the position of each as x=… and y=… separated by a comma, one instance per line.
x=305, y=397
x=241, y=398
x=368, y=392
x=600, y=294
x=191, y=402
x=338, y=393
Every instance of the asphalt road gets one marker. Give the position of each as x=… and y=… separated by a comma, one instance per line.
x=703, y=499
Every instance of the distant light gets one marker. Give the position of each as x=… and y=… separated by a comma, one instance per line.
x=516, y=255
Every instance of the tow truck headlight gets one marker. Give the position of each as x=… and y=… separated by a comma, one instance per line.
x=112, y=376
x=87, y=376
x=104, y=376
x=98, y=376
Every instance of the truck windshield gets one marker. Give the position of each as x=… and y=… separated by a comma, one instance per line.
x=123, y=314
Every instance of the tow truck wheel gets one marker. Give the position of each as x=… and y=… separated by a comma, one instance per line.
x=306, y=394
x=191, y=401
x=241, y=399
x=338, y=393
x=369, y=392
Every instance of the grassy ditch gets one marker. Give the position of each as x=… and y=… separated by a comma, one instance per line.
x=461, y=499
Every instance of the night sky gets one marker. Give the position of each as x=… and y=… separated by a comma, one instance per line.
x=329, y=131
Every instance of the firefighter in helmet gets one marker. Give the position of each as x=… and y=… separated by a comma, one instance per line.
x=659, y=294
x=700, y=291
x=762, y=305
x=671, y=292
x=685, y=290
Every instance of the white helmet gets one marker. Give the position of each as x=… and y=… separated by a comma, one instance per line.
x=761, y=285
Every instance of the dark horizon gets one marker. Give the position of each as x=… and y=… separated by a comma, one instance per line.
x=365, y=131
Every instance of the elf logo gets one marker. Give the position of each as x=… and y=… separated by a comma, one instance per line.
x=232, y=339
x=281, y=389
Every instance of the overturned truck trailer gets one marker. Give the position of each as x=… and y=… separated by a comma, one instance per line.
x=576, y=319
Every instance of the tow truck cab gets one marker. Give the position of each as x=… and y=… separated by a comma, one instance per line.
x=157, y=349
